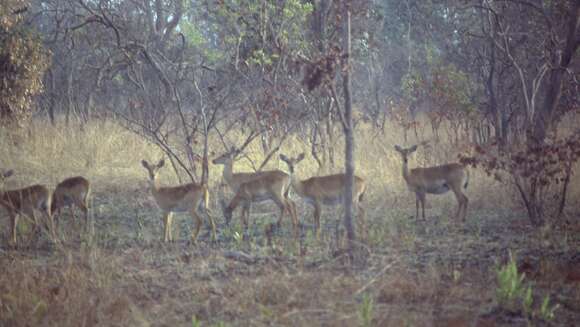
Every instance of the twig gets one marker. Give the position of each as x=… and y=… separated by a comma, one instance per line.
x=374, y=279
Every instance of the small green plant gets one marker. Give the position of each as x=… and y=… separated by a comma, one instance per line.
x=266, y=312
x=238, y=237
x=365, y=311
x=510, y=285
x=528, y=301
x=513, y=294
x=456, y=275
x=547, y=311
x=195, y=322
x=139, y=236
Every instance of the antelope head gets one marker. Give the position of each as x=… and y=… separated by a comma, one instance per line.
x=153, y=170
x=4, y=175
x=405, y=153
x=292, y=162
x=227, y=157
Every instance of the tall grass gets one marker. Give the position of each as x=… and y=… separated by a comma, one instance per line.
x=109, y=155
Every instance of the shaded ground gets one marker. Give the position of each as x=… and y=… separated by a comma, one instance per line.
x=425, y=273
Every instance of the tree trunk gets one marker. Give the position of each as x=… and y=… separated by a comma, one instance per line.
x=69, y=95
x=52, y=97
x=544, y=116
x=349, y=137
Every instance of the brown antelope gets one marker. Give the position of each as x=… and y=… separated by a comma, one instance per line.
x=72, y=191
x=256, y=187
x=182, y=198
x=435, y=180
x=25, y=201
x=327, y=190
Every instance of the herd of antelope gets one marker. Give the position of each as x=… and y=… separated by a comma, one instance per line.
x=273, y=185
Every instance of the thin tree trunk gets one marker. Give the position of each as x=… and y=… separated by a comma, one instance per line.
x=69, y=95
x=52, y=97
x=349, y=137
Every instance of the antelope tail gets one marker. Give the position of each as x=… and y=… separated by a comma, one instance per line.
x=466, y=179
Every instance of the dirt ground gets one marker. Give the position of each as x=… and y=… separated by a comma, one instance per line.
x=406, y=272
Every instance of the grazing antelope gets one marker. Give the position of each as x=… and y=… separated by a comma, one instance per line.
x=72, y=191
x=328, y=190
x=186, y=197
x=435, y=180
x=256, y=187
x=25, y=201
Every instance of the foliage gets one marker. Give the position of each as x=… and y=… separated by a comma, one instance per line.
x=195, y=322
x=446, y=92
x=22, y=64
x=547, y=312
x=259, y=33
x=10, y=12
x=515, y=295
x=196, y=38
x=540, y=171
x=510, y=285
x=365, y=311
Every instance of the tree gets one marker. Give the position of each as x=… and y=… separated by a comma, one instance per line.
x=23, y=61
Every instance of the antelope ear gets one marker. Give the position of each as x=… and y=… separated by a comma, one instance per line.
x=161, y=163
x=413, y=148
x=398, y=148
x=144, y=164
x=300, y=157
x=8, y=173
x=283, y=157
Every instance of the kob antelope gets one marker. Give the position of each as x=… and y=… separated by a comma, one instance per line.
x=26, y=201
x=327, y=190
x=435, y=180
x=73, y=191
x=256, y=187
x=182, y=198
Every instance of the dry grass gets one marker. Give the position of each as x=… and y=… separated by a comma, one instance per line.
x=426, y=273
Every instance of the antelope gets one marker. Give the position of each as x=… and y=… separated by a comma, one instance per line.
x=327, y=190
x=72, y=191
x=435, y=180
x=181, y=198
x=25, y=201
x=256, y=187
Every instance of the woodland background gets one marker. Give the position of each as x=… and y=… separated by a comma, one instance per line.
x=92, y=87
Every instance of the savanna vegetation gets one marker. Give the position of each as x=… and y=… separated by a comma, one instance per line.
x=311, y=88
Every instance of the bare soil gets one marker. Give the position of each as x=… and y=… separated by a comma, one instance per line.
x=431, y=272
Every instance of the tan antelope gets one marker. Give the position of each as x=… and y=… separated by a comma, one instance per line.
x=182, y=198
x=435, y=180
x=256, y=187
x=73, y=191
x=327, y=190
x=26, y=201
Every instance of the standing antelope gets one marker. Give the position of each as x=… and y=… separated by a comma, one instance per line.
x=186, y=197
x=435, y=180
x=72, y=191
x=256, y=187
x=25, y=201
x=328, y=190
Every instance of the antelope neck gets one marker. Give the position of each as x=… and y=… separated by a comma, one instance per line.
x=229, y=172
x=154, y=185
x=405, y=170
x=296, y=183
